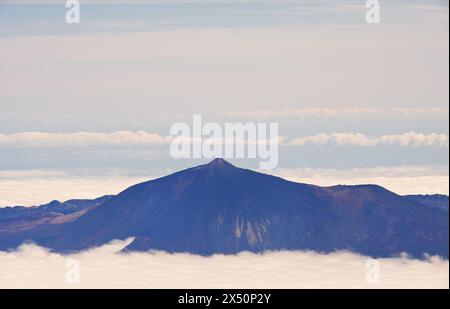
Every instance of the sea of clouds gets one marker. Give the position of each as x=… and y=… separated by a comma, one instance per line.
x=34, y=267
x=43, y=186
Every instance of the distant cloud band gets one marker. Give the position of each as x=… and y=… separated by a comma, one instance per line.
x=82, y=139
x=341, y=112
x=410, y=138
x=143, y=138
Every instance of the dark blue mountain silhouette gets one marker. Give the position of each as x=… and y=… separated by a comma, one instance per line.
x=54, y=207
x=219, y=208
x=434, y=200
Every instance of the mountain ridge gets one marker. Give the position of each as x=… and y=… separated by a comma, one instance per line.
x=220, y=208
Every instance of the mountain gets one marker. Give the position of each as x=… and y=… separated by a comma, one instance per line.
x=55, y=206
x=220, y=208
x=433, y=200
x=13, y=219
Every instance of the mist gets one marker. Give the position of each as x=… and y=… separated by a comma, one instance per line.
x=31, y=266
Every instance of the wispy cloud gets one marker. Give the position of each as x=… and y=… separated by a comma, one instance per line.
x=408, y=139
x=340, y=112
x=82, y=139
x=261, y=67
x=143, y=138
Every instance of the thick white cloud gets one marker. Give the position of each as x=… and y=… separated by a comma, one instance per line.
x=34, y=267
x=409, y=138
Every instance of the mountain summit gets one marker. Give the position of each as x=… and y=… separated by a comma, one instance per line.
x=219, y=166
x=220, y=208
x=220, y=163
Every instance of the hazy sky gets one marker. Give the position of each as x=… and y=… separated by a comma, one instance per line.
x=349, y=97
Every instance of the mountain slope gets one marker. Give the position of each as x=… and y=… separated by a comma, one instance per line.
x=20, y=217
x=219, y=208
x=433, y=200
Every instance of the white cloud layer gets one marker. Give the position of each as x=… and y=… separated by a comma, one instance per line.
x=143, y=138
x=409, y=138
x=81, y=139
x=35, y=267
x=399, y=179
x=34, y=187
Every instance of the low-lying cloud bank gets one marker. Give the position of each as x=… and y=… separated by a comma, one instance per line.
x=34, y=267
x=402, y=180
x=43, y=186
